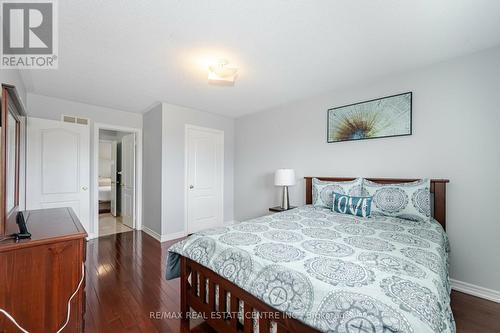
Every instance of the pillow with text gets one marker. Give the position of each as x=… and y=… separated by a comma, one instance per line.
x=346, y=204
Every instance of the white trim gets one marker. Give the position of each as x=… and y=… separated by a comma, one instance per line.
x=138, y=175
x=165, y=237
x=163, y=172
x=207, y=129
x=175, y=235
x=172, y=236
x=106, y=141
x=472, y=289
x=152, y=233
x=91, y=236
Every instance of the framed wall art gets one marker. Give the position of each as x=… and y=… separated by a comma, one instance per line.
x=377, y=118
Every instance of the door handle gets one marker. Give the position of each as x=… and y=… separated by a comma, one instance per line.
x=191, y=187
x=85, y=188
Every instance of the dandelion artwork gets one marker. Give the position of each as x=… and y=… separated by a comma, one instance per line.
x=378, y=118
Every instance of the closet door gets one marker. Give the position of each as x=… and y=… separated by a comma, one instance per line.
x=204, y=177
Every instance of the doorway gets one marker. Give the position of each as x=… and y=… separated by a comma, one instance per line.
x=116, y=177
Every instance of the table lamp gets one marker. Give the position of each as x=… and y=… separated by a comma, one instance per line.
x=285, y=178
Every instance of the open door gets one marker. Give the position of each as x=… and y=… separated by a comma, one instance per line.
x=127, y=184
x=114, y=162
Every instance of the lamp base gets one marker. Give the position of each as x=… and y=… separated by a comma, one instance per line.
x=278, y=209
x=285, y=202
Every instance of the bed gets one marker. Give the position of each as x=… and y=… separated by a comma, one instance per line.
x=310, y=269
x=104, y=195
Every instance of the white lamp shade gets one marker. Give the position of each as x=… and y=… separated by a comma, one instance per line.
x=284, y=177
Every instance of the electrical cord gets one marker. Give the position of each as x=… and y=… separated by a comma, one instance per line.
x=67, y=315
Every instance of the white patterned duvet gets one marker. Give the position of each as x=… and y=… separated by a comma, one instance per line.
x=334, y=272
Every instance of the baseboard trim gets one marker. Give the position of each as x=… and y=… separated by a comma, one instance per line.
x=152, y=233
x=172, y=236
x=180, y=234
x=472, y=289
x=165, y=237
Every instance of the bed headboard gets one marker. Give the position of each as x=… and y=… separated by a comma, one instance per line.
x=438, y=189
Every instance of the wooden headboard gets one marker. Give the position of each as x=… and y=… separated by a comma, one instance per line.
x=438, y=188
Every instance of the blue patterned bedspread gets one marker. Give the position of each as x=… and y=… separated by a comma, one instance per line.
x=334, y=272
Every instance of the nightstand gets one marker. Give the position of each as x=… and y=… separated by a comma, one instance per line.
x=278, y=209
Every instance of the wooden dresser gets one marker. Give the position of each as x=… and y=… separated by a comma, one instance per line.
x=38, y=275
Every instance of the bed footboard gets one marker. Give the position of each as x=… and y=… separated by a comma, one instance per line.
x=217, y=301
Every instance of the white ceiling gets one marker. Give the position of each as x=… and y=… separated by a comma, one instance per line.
x=130, y=54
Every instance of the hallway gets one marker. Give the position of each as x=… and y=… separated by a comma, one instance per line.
x=109, y=225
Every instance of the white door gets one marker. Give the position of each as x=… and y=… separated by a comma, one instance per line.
x=127, y=183
x=58, y=166
x=205, y=177
x=114, y=161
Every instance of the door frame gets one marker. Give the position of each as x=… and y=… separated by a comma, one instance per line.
x=187, y=127
x=95, y=176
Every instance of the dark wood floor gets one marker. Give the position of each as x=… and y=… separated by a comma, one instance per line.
x=126, y=285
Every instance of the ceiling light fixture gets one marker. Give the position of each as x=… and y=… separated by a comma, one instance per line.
x=221, y=73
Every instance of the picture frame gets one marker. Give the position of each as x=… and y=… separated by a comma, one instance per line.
x=384, y=117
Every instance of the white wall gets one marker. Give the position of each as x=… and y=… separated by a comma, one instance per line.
x=13, y=77
x=152, y=171
x=455, y=124
x=164, y=154
x=52, y=108
x=174, y=120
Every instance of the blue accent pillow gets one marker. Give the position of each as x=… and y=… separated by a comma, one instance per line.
x=346, y=204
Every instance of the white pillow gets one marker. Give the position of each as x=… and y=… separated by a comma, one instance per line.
x=322, y=191
x=409, y=201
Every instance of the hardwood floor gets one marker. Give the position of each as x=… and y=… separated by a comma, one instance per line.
x=126, y=288
x=474, y=314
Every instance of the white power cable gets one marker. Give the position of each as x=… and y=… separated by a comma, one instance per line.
x=69, y=307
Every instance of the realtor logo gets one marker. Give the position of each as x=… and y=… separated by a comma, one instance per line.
x=29, y=34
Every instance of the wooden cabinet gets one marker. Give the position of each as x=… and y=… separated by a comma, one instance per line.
x=38, y=275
